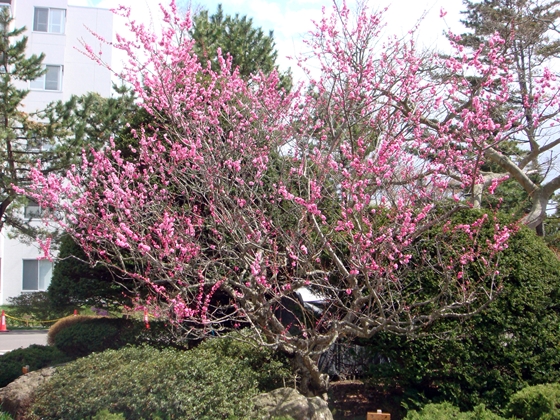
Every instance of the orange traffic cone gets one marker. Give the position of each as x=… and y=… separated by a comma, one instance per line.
x=146, y=319
x=3, y=327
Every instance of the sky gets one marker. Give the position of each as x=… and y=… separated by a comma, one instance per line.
x=291, y=19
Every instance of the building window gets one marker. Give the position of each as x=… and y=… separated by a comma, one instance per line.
x=37, y=275
x=37, y=144
x=4, y=8
x=3, y=61
x=49, y=20
x=51, y=80
x=32, y=209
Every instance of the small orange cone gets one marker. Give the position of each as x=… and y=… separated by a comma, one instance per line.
x=3, y=327
x=146, y=319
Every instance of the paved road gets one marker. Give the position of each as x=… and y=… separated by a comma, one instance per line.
x=12, y=340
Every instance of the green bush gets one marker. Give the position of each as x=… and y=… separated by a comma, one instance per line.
x=487, y=358
x=143, y=382
x=89, y=336
x=107, y=415
x=36, y=356
x=64, y=323
x=96, y=334
x=75, y=283
x=272, y=368
x=33, y=308
x=447, y=411
x=539, y=402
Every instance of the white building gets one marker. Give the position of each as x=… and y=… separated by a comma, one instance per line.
x=54, y=28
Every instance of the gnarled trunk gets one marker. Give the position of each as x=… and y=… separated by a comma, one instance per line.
x=313, y=382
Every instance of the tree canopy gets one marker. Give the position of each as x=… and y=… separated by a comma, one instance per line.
x=250, y=49
x=246, y=199
x=54, y=136
x=21, y=138
x=529, y=31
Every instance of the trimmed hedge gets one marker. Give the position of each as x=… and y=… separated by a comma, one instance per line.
x=36, y=356
x=213, y=380
x=272, y=368
x=81, y=335
x=78, y=336
x=64, y=323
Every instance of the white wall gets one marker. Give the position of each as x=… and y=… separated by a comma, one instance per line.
x=13, y=254
x=80, y=75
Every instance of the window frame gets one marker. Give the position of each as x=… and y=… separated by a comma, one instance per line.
x=29, y=211
x=50, y=25
x=3, y=66
x=3, y=6
x=38, y=270
x=43, y=79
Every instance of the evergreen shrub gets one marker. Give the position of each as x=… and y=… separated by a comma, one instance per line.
x=34, y=307
x=64, y=323
x=213, y=380
x=107, y=415
x=539, y=402
x=96, y=334
x=487, y=358
x=447, y=411
x=35, y=356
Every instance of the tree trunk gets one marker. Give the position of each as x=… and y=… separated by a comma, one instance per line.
x=313, y=382
x=537, y=214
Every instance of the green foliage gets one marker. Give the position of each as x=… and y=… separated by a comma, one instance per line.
x=24, y=137
x=251, y=50
x=143, y=382
x=539, y=402
x=531, y=41
x=92, y=119
x=55, y=135
x=36, y=356
x=487, y=358
x=63, y=323
x=33, y=307
x=272, y=367
x=15, y=125
x=107, y=415
x=530, y=20
x=5, y=416
x=86, y=337
x=99, y=334
x=75, y=283
x=446, y=411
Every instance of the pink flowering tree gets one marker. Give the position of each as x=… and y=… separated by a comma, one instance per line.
x=243, y=198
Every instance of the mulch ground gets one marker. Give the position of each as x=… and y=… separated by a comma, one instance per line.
x=352, y=400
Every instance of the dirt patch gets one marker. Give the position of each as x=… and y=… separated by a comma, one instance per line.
x=352, y=400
